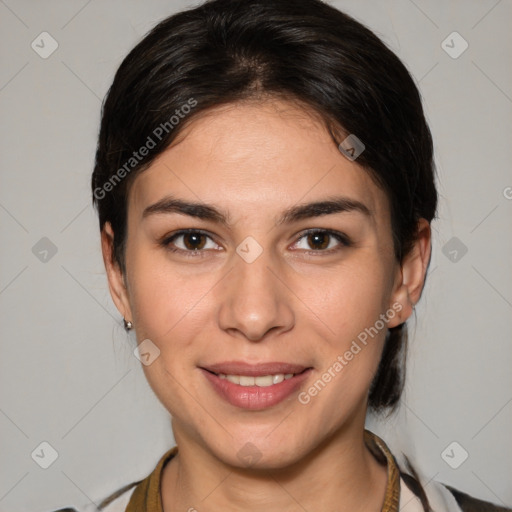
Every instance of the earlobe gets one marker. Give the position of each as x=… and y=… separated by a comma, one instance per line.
x=411, y=275
x=116, y=279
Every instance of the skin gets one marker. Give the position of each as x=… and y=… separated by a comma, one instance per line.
x=297, y=302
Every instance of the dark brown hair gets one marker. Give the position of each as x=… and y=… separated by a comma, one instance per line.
x=226, y=51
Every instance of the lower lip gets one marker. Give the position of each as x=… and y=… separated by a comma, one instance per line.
x=255, y=397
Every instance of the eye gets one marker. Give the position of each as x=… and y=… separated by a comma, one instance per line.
x=323, y=240
x=194, y=242
x=190, y=242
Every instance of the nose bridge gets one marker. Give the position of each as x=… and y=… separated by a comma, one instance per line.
x=254, y=299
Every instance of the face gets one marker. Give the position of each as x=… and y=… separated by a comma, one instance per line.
x=260, y=277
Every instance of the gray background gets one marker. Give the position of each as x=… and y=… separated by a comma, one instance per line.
x=68, y=375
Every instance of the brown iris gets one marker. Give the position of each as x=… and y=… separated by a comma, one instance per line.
x=319, y=238
x=194, y=239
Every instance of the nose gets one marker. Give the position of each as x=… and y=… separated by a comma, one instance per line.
x=255, y=299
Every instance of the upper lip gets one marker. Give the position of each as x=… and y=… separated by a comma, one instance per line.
x=254, y=370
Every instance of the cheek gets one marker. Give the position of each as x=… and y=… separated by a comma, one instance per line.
x=351, y=302
x=171, y=309
x=350, y=353
x=168, y=303
x=351, y=297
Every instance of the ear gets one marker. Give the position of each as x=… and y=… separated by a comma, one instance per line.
x=116, y=280
x=410, y=276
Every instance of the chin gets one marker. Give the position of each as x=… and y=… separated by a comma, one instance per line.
x=259, y=453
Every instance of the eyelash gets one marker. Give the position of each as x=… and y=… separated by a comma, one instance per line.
x=340, y=237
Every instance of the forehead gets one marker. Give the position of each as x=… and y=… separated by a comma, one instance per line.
x=255, y=158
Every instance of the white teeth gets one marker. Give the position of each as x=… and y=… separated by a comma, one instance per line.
x=262, y=381
x=276, y=379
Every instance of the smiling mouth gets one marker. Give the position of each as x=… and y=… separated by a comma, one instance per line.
x=256, y=392
x=268, y=380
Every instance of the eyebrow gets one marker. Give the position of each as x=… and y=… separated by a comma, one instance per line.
x=329, y=206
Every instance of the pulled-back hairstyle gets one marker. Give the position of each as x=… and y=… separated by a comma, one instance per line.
x=227, y=51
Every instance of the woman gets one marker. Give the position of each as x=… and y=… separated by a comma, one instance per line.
x=265, y=186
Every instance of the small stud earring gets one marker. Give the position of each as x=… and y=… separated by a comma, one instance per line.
x=127, y=324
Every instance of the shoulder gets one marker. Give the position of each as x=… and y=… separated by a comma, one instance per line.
x=115, y=502
x=432, y=495
x=119, y=500
x=442, y=497
x=469, y=504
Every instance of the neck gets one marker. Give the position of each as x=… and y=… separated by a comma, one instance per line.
x=340, y=474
